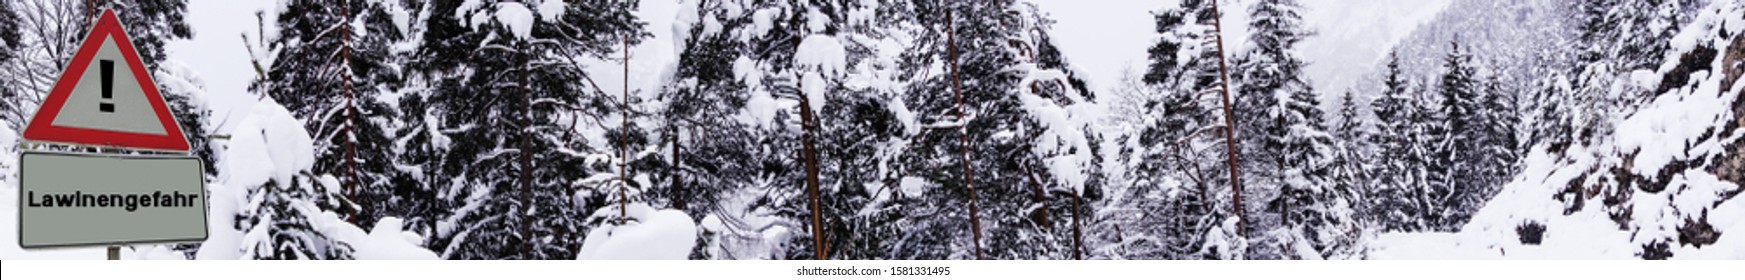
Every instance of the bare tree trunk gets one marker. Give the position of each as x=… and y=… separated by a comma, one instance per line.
x=678, y=191
x=808, y=122
x=1040, y=216
x=1078, y=240
x=350, y=185
x=624, y=139
x=975, y=222
x=526, y=156
x=1229, y=122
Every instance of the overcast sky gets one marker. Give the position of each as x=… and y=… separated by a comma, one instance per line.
x=217, y=53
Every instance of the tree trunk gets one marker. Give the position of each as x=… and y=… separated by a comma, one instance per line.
x=1229, y=123
x=623, y=139
x=1078, y=240
x=526, y=158
x=678, y=191
x=350, y=186
x=1040, y=216
x=975, y=222
x=808, y=121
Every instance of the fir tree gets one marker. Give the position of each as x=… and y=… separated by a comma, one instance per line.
x=1286, y=146
x=323, y=47
x=507, y=97
x=1176, y=153
x=1454, y=116
x=1020, y=158
x=9, y=47
x=1396, y=188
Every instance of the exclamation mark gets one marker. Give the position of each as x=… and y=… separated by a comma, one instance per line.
x=108, y=86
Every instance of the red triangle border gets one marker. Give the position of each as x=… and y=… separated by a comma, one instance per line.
x=42, y=128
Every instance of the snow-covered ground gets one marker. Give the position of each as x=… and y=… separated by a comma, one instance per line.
x=1643, y=188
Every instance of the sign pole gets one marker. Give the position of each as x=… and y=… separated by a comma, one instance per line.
x=114, y=252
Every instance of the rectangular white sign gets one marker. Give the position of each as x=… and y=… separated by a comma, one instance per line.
x=71, y=199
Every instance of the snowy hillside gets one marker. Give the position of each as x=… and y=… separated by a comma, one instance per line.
x=1662, y=185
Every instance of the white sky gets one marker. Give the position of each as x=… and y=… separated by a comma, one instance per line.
x=1103, y=38
x=217, y=53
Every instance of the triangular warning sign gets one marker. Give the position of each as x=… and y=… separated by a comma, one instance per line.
x=106, y=97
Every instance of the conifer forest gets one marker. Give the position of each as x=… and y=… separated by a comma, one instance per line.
x=929, y=129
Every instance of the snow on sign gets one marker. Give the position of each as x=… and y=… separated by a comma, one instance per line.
x=105, y=97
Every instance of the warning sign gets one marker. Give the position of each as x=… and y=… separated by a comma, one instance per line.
x=106, y=97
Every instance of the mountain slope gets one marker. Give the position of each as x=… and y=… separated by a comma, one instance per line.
x=1662, y=185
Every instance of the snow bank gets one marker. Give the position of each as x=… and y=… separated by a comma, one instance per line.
x=1654, y=161
x=223, y=240
x=650, y=234
x=387, y=241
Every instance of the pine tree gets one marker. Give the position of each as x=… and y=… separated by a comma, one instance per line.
x=330, y=70
x=815, y=165
x=1289, y=149
x=506, y=98
x=1016, y=133
x=1176, y=153
x=1396, y=188
x=290, y=212
x=1499, y=147
x=716, y=146
x=1351, y=161
x=10, y=98
x=1459, y=126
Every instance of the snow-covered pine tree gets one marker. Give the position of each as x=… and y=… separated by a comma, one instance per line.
x=1395, y=191
x=1176, y=181
x=1286, y=148
x=290, y=212
x=1614, y=40
x=847, y=74
x=735, y=108
x=1454, y=173
x=1551, y=113
x=1351, y=168
x=712, y=133
x=507, y=94
x=1023, y=130
x=1423, y=154
x=10, y=97
x=811, y=93
x=1497, y=148
x=321, y=46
